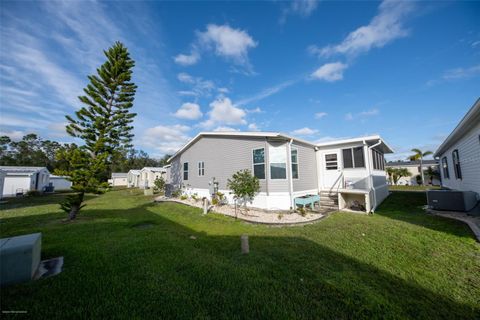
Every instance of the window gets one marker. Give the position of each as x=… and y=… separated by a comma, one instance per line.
x=185, y=171
x=278, y=162
x=294, y=160
x=353, y=158
x=456, y=164
x=446, y=174
x=378, y=160
x=201, y=169
x=259, y=163
x=331, y=161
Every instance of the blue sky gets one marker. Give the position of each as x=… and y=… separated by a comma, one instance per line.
x=317, y=70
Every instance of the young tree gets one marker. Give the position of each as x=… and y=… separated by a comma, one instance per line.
x=244, y=185
x=159, y=184
x=103, y=123
x=419, y=155
x=399, y=173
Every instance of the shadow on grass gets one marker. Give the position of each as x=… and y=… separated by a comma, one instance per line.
x=114, y=270
x=407, y=207
x=31, y=201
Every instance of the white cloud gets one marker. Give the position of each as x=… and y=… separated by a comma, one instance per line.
x=189, y=111
x=385, y=27
x=320, y=115
x=187, y=59
x=330, y=72
x=185, y=77
x=165, y=139
x=456, y=74
x=254, y=110
x=304, y=132
x=223, y=90
x=303, y=8
x=267, y=92
x=224, y=112
x=225, y=129
x=199, y=86
x=14, y=135
x=363, y=114
x=228, y=42
x=253, y=127
x=461, y=73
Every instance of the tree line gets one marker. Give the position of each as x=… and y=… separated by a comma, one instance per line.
x=33, y=151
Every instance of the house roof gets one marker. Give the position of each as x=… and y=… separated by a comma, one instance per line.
x=471, y=119
x=58, y=177
x=135, y=172
x=411, y=163
x=21, y=171
x=154, y=169
x=119, y=175
x=373, y=139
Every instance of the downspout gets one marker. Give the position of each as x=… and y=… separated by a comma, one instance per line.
x=370, y=174
x=290, y=176
x=267, y=166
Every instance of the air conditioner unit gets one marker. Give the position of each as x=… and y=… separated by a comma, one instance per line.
x=451, y=200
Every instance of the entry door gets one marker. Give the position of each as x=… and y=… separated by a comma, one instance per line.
x=331, y=171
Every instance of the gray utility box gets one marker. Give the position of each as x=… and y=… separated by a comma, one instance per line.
x=451, y=200
x=19, y=258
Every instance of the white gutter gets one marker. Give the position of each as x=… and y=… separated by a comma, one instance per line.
x=370, y=173
x=289, y=161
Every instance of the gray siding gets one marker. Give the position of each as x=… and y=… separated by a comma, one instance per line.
x=469, y=154
x=224, y=156
x=307, y=168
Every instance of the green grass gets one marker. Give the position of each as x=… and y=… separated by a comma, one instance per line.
x=413, y=188
x=398, y=263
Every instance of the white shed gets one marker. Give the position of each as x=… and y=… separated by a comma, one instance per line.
x=20, y=180
x=60, y=183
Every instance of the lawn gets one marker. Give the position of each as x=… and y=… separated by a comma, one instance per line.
x=127, y=257
x=413, y=188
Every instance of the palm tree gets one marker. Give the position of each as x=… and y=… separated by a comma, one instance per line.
x=419, y=155
x=394, y=174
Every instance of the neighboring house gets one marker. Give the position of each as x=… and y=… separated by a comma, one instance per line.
x=414, y=168
x=133, y=178
x=119, y=179
x=20, y=180
x=2, y=180
x=149, y=174
x=459, y=154
x=60, y=183
x=287, y=168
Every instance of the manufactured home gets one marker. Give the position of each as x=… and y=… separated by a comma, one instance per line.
x=348, y=173
x=119, y=179
x=20, y=180
x=414, y=168
x=149, y=174
x=459, y=154
x=60, y=183
x=133, y=178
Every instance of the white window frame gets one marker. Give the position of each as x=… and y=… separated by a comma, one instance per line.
x=329, y=161
x=260, y=163
x=201, y=168
x=292, y=163
x=270, y=163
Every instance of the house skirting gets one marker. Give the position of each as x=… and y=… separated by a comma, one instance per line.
x=272, y=201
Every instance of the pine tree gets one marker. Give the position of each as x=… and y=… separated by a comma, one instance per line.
x=104, y=125
x=104, y=122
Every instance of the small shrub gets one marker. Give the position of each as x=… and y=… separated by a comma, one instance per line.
x=215, y=201
x=195, y=197
x=159, y=184
x=177, y=193
x=280, y=216
x=302, y=211
x=183, y=197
